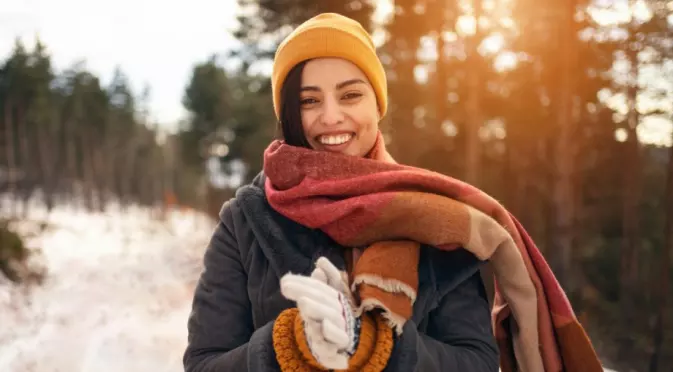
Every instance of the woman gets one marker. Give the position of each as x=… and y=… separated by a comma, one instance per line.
x=297, y=278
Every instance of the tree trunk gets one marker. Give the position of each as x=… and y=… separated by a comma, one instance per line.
x=110, y=160
x=128, y=170
x=11, y=159
x=71, y=152
x=630, y=208
x=436, y=137
x=474, y=115
x=100, y=174
x=405, y=146
x=88, y=173
x=665, y=270
x=565, y=154
x=407, y=137
x=515, y=179
x=46, y=157
x=71, y=179
x=26, y=165
x=630, y=214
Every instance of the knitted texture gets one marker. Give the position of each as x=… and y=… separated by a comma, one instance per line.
x=329, y=35
x=391, y=209
x=294, y=355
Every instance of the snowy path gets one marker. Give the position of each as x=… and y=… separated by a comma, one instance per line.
x=117, y=297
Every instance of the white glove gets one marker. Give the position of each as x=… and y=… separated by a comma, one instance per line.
x=330, y=326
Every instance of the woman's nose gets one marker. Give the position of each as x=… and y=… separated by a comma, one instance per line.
x=332, y=113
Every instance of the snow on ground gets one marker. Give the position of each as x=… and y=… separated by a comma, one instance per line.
x=117, y=295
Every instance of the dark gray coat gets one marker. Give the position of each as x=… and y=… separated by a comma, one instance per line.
x=238, y=296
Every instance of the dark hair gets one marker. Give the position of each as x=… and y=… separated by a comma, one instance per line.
x=290, y=126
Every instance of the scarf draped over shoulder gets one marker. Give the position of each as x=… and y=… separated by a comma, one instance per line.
x=392, y=209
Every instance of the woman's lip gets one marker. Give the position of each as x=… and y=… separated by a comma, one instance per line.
x=337, y=148
x=338, y=133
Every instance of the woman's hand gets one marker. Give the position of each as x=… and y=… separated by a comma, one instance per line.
x=330, y=327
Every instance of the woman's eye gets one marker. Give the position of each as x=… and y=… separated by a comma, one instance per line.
x=352, y=95
x=308, y=101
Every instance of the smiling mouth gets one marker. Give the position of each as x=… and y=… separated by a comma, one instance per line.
x=335, y=139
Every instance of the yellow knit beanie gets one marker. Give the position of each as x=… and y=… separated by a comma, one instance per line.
x=329, y=35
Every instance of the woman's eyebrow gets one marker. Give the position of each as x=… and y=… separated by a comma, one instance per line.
x=341, y=85
x=350, y=82
x=309, y=88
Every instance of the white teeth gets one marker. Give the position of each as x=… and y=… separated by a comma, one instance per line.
x=335, y=140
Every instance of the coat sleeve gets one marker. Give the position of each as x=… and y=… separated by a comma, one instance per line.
x=459, y=335
x=221, y=336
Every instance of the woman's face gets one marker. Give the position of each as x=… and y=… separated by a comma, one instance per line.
x=339, y=112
